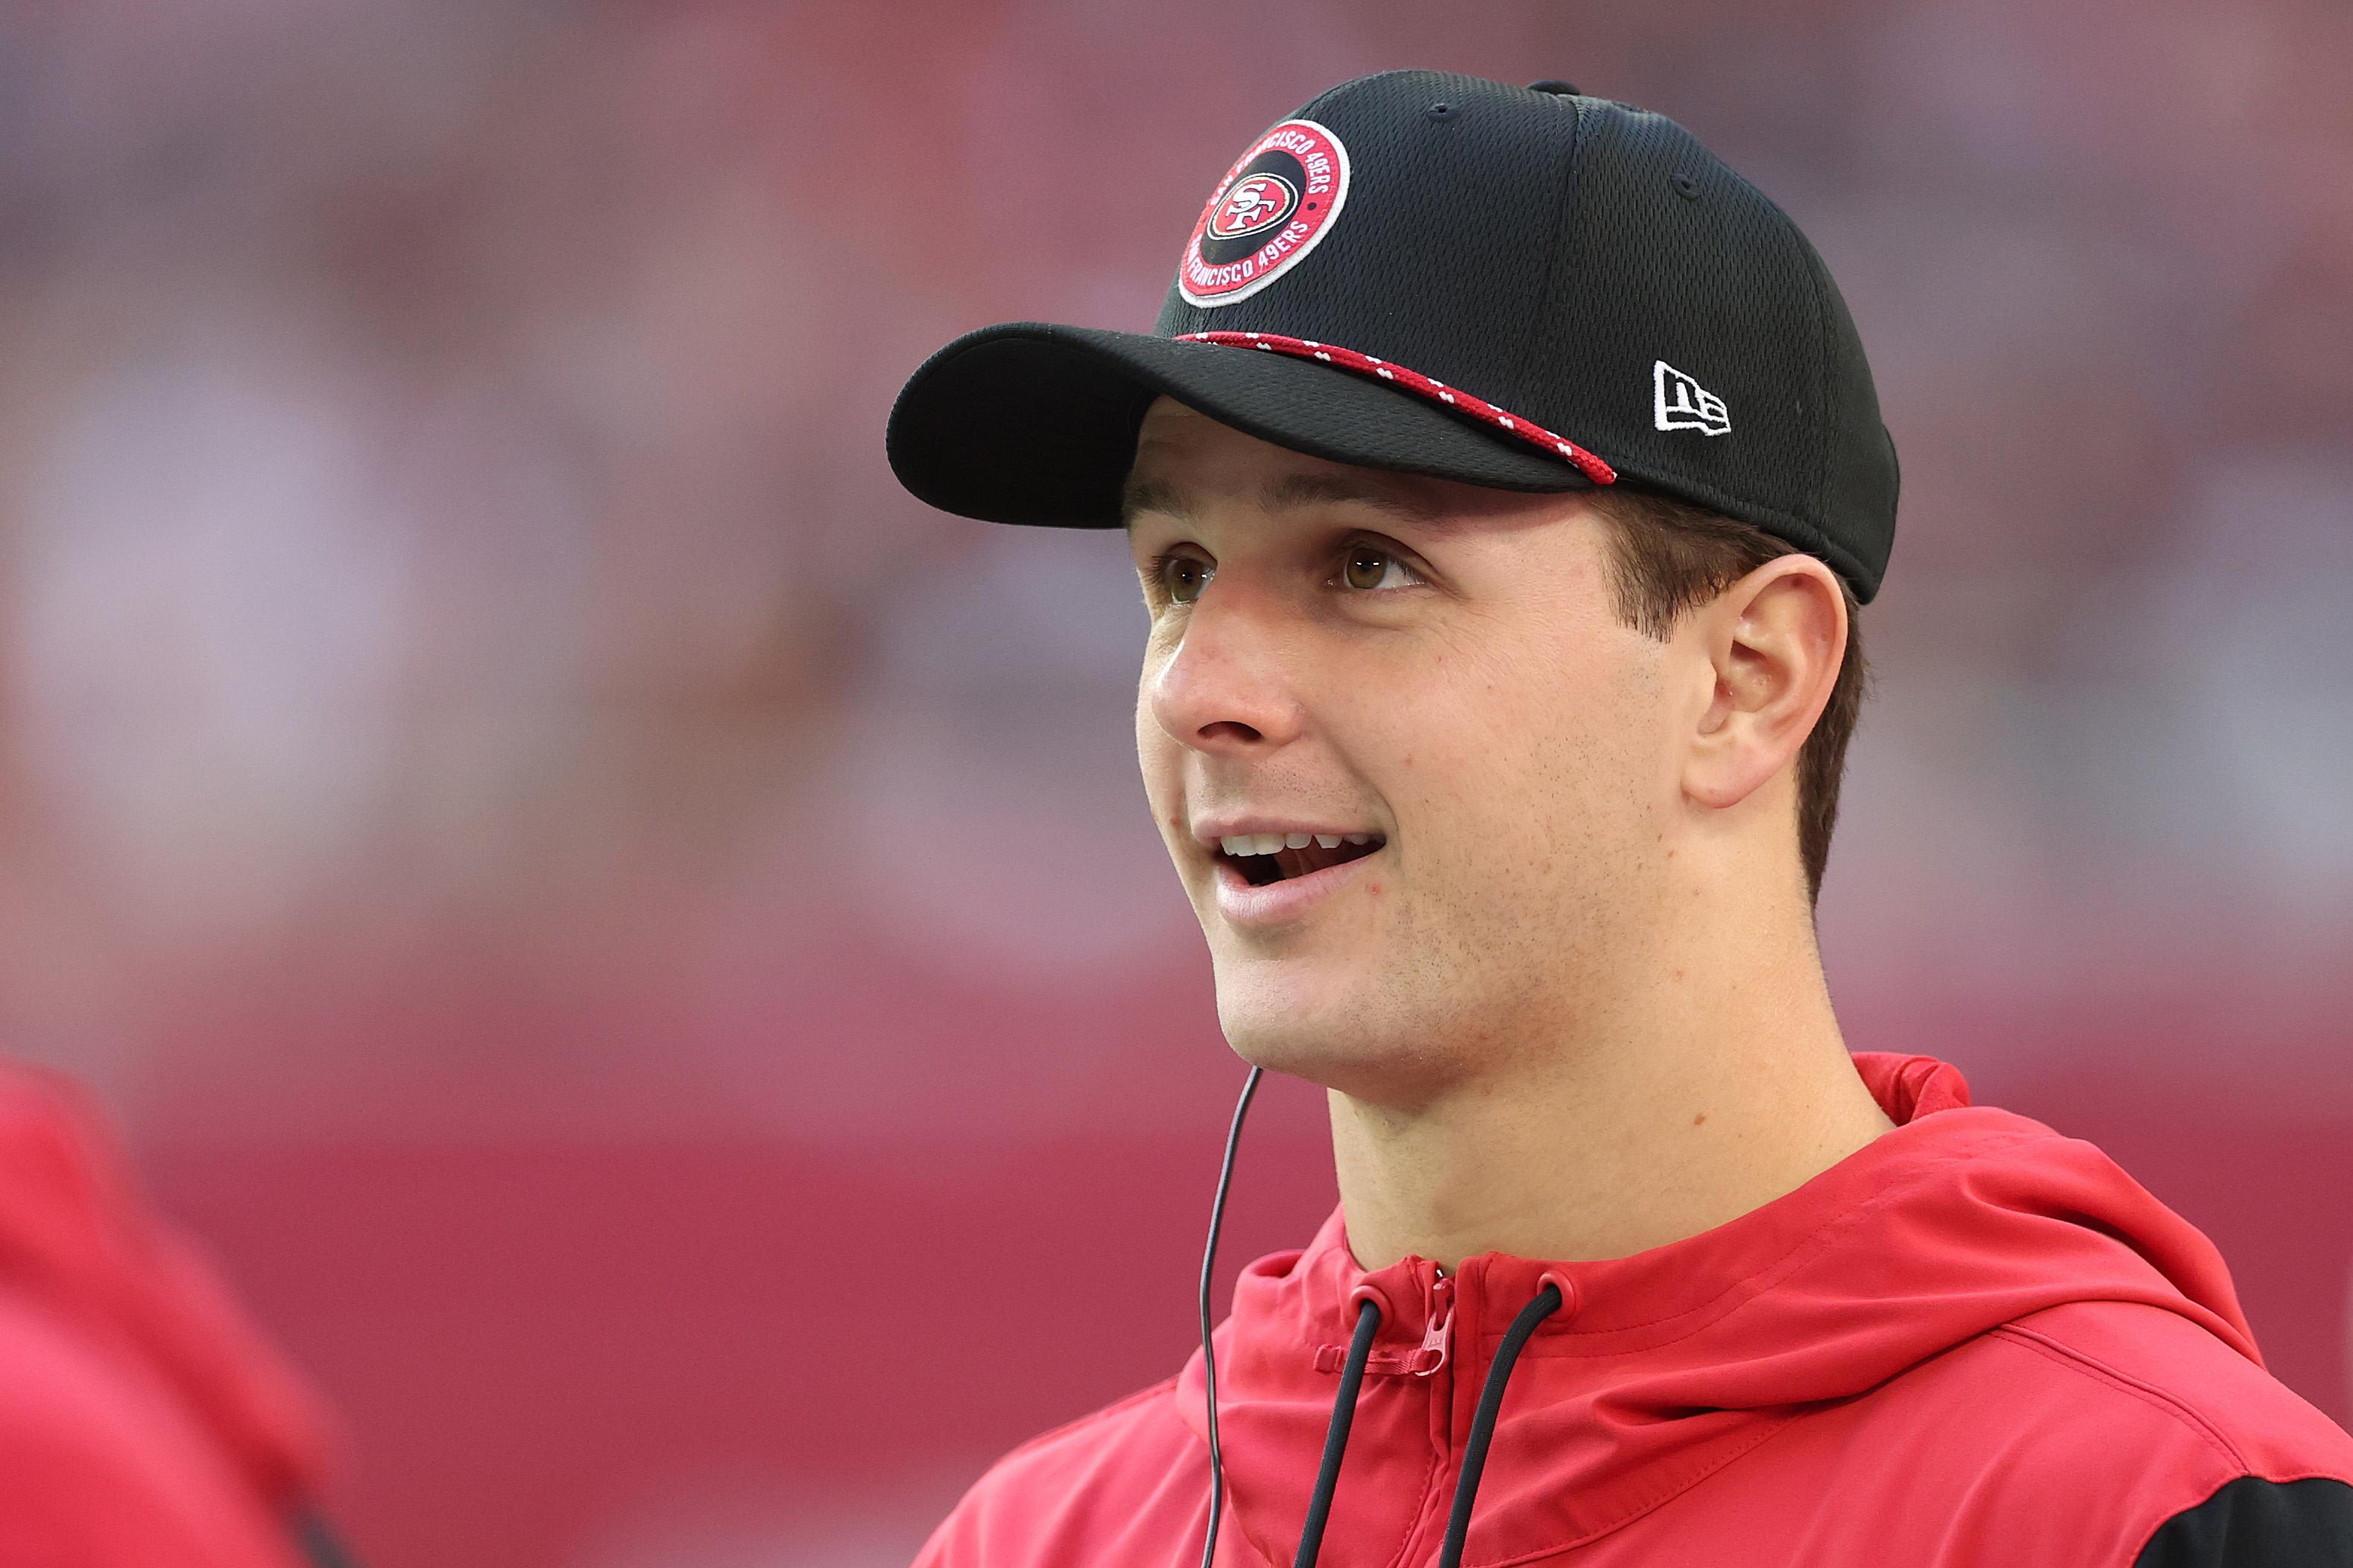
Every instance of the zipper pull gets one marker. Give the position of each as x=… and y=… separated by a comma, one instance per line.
x=1432, y=1354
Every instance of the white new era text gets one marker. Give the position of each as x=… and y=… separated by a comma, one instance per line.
x=1679, y=403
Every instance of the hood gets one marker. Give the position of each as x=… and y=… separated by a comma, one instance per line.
x=77, y=1238
x=1665, y=1366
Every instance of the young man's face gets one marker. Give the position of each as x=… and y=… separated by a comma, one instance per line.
x=1429, y=681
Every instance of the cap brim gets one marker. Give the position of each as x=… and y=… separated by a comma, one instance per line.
x=1032, y=423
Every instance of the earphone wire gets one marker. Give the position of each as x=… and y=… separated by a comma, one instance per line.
x=1208, y=1350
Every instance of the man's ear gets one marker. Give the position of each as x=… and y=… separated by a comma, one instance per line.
x=1776, y=639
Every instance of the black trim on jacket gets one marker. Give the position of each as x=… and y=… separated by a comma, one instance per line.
x=2255, y=1524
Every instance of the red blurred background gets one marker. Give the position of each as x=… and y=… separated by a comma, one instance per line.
x=638, y=945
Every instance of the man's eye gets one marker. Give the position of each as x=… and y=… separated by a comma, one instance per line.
x=1183, y=577
x=1368, y=568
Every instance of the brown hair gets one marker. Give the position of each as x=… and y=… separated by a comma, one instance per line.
x=1671, y=557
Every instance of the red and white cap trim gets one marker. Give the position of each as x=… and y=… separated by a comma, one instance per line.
x=1527, y=430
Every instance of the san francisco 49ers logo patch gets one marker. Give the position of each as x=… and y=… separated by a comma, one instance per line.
x=1265, y=215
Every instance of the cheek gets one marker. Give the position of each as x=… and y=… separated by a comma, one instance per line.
x=1528, y=755
x=1160, y=761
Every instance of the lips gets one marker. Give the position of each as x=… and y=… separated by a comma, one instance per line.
x=1262, y=858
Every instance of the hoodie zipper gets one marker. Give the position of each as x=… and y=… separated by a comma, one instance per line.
x=1439, y=1361
x=1439, y=1315
x=1457, y=1392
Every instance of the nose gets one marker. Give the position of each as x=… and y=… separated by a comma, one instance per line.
x=1224, y=689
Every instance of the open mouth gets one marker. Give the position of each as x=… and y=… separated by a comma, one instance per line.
x=1263, y=857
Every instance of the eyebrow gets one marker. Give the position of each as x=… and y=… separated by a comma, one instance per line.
x=1151, y=495
x=1289, y=493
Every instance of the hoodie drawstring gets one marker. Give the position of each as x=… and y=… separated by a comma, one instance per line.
x=1546, y=1302
x=1483, y=1426
x=1335, y=1436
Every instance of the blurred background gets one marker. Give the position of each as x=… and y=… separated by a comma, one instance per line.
x=639, y=946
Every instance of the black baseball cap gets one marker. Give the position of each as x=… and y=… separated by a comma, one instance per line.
x=1521, y=287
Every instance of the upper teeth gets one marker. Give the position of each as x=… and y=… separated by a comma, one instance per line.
x=1268, y=843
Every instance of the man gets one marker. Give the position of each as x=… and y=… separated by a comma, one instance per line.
x=1503, y=476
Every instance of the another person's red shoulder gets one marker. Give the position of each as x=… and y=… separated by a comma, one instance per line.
x=142, y=1421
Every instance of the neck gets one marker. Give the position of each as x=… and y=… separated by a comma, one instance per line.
x=1709, y=1080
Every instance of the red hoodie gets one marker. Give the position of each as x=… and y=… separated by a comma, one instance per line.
x=143, y=1423
x=1973, y=1342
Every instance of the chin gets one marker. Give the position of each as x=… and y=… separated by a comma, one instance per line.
x=1348, y=1036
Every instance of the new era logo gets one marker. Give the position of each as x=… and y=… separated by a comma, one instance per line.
x=1679, y=403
